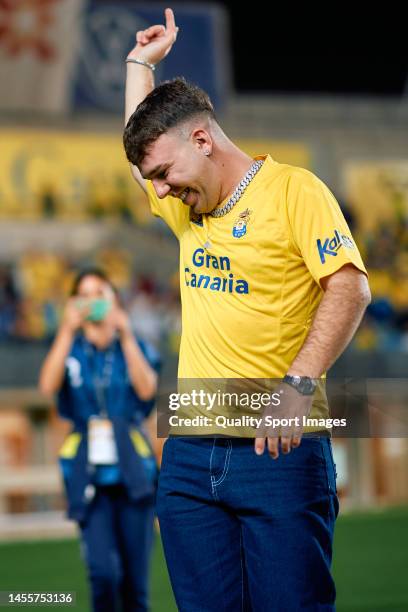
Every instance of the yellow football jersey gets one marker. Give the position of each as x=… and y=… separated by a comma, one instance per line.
x=250, y=280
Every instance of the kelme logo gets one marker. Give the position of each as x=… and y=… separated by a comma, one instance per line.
x=331, y=245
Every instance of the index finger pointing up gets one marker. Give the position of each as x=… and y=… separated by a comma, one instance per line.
x=170, y=21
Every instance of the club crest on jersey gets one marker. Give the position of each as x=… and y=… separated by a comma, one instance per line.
x=240, y=226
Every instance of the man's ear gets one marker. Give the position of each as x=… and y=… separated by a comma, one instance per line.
x=202, y=140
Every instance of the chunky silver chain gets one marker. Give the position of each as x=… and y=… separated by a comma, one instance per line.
x=243, y=184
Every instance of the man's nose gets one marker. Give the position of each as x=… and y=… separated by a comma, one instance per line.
x=161, y=188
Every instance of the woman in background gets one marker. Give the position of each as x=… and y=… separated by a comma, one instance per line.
x=106, y=382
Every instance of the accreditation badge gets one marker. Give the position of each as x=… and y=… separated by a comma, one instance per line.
x=102, y=448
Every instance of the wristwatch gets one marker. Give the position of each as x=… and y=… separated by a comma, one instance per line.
x=303, y=384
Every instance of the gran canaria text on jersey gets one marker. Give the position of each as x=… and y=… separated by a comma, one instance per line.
x=225, y=284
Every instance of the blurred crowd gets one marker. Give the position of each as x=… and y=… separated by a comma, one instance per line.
x=34, y=289
x=385, y=253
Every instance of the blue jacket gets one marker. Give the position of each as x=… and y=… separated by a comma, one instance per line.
x=97, y=380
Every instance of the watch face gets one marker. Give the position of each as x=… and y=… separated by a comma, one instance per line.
x=303, y=384
x=306, y=386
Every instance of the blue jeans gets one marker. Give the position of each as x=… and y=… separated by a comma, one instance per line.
x=117, y=539
x=245, y=532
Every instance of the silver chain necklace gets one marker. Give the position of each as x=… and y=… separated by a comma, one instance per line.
x=243, y=184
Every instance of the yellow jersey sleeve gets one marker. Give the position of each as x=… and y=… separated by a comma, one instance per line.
x=170, y=209
x=317, y=226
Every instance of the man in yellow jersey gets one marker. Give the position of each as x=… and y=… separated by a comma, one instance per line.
x=272, y=287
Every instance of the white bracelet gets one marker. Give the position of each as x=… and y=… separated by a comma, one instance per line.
x=141, y=62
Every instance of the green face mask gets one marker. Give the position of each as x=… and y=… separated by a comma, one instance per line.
x=98, y=310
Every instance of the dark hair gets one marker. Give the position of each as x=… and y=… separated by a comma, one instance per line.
x=93, y=272
x=170, y=104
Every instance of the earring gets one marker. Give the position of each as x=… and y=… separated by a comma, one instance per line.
x=206, y=152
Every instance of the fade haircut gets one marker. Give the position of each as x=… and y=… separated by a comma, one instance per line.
x=170, y=104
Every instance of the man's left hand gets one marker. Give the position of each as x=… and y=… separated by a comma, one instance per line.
x=284, y=422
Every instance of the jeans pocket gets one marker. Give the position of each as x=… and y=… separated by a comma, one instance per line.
x=333, y=502
x=332, y=467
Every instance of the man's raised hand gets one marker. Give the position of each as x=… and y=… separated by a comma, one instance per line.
x=154, y=43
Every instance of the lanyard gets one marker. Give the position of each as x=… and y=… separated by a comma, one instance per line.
x=101, y=381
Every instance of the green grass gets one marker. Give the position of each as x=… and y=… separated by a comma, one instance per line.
x=371, y=561
x=370, y=566
x=57, y=566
